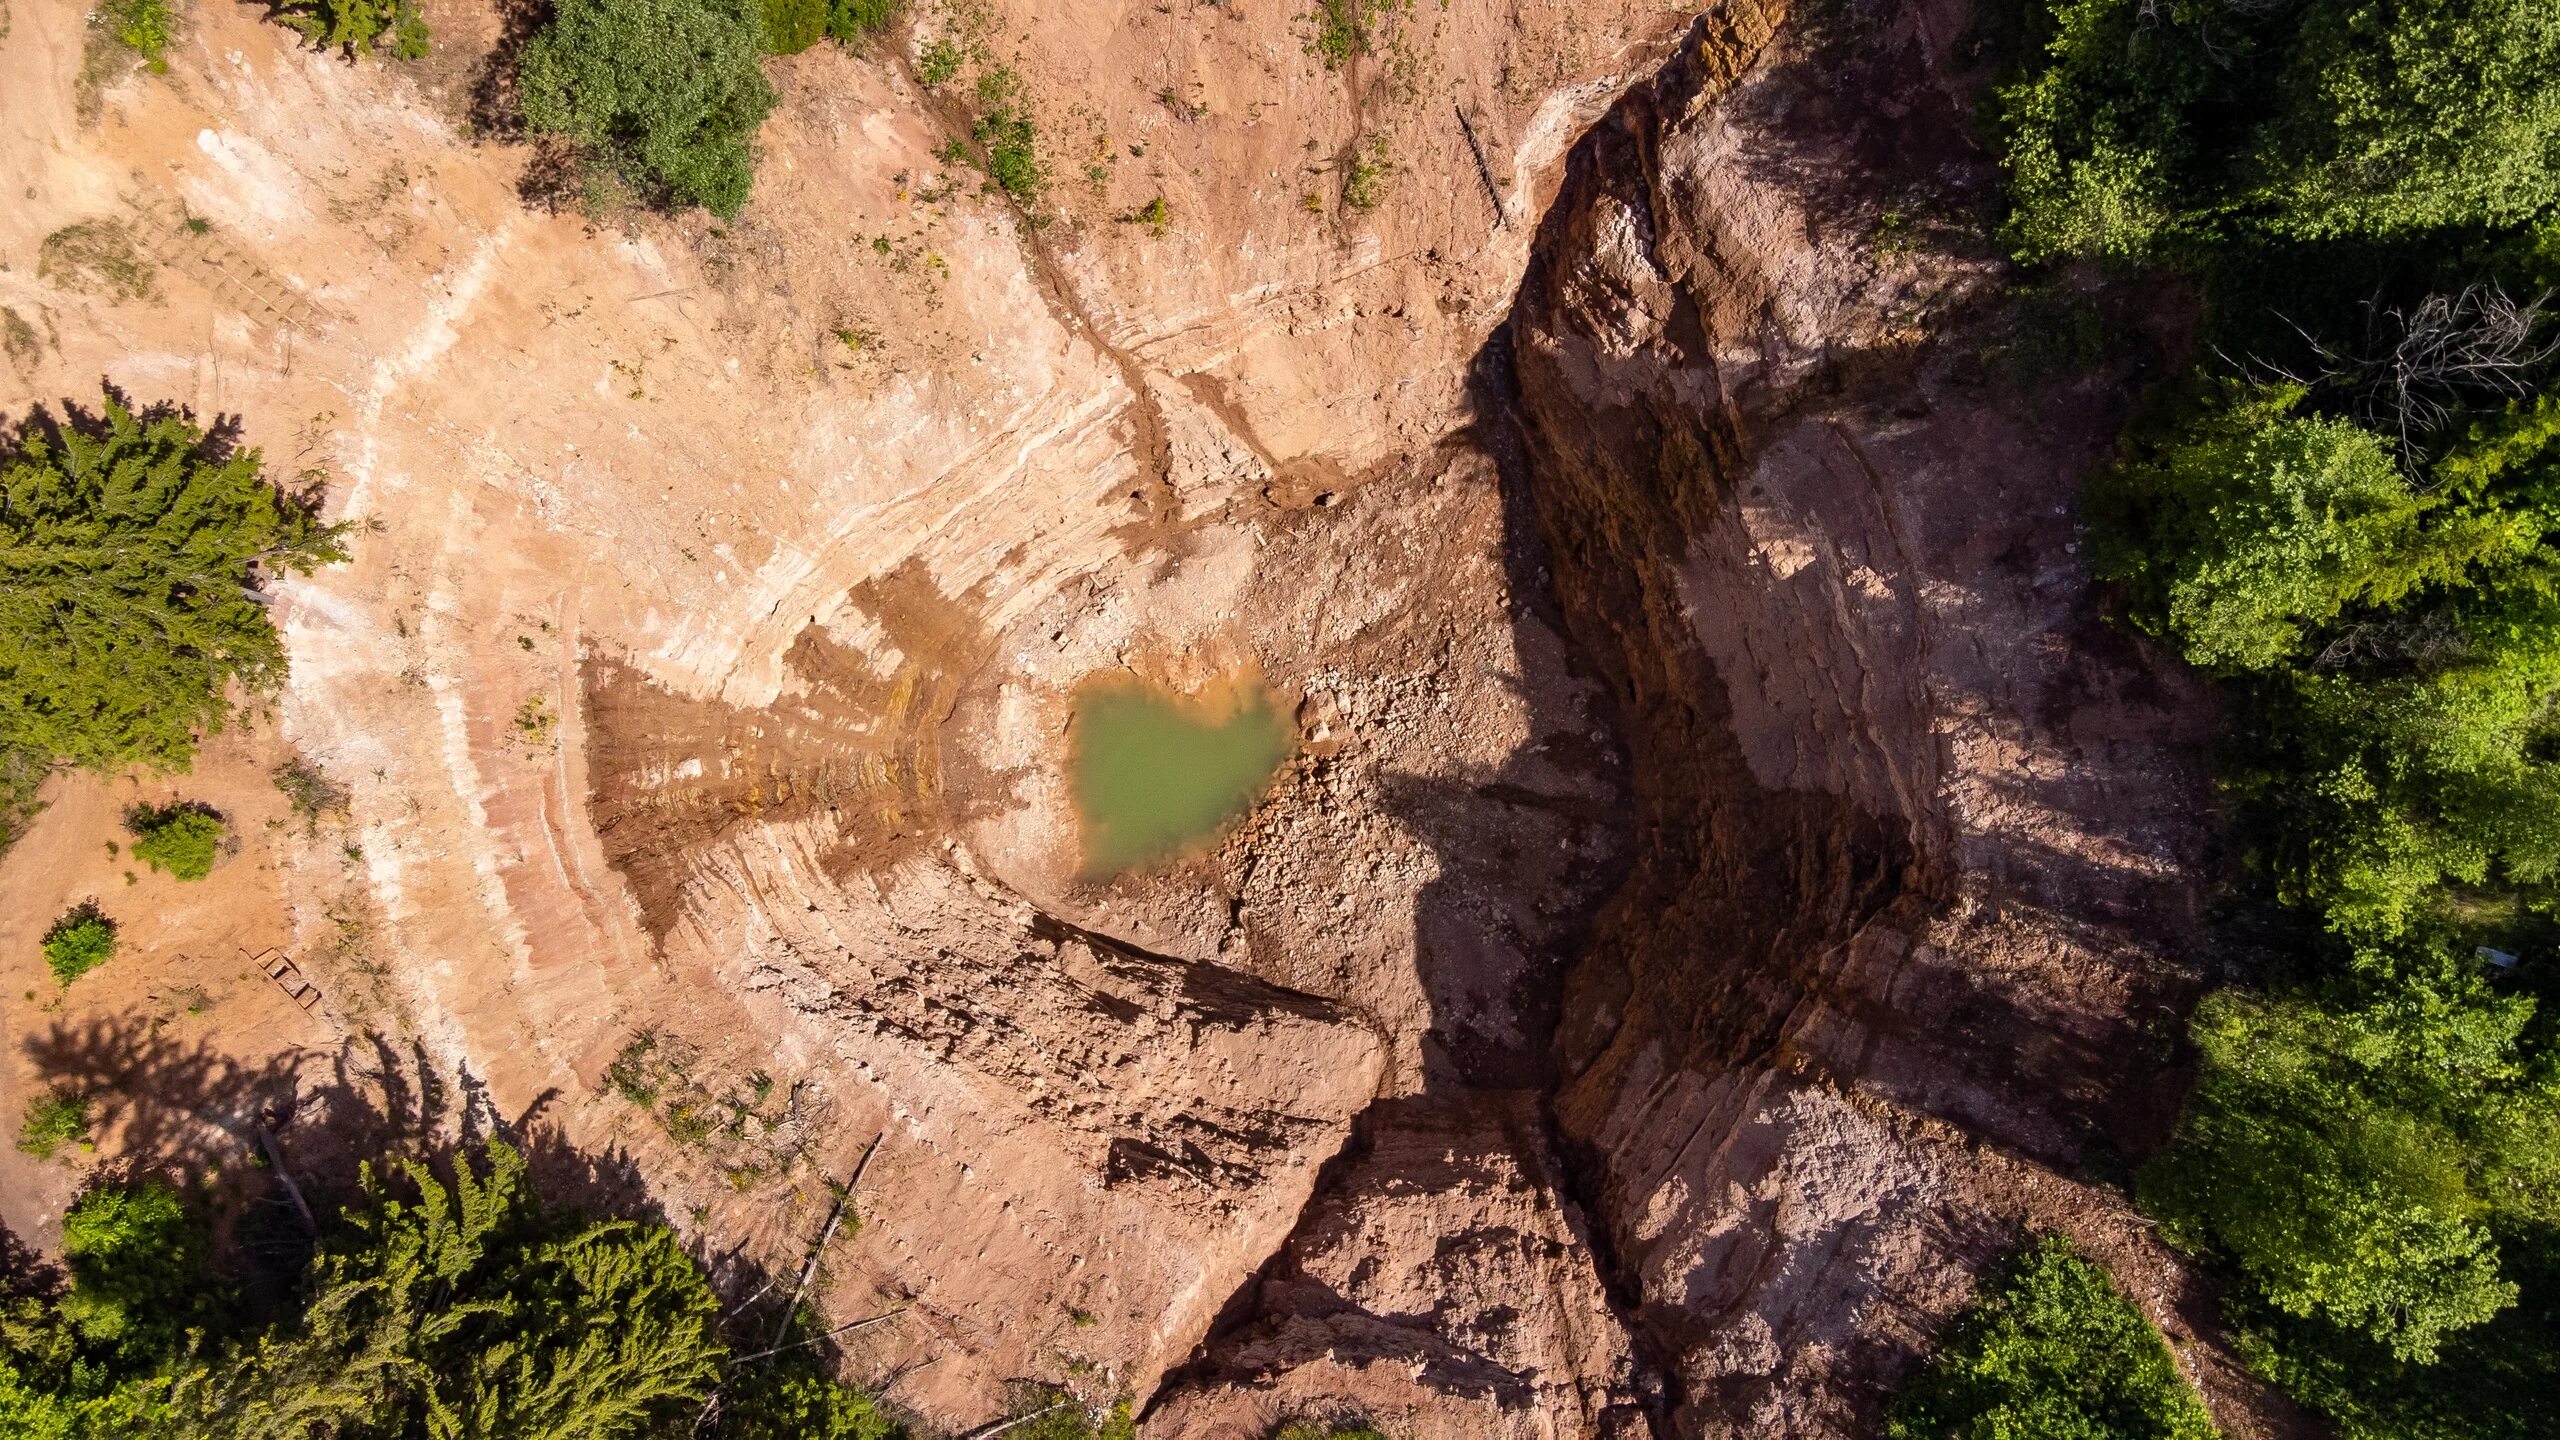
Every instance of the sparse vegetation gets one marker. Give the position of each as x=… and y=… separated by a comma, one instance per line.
x=181, y=839
x=1046, y=1412
x=18, y=339
x=357, y=27
x=2050, y=1350
x=1338, y=32
x=97, y=257
x=131, y=554
x=662, y=97
x=144, y=27
x=1004, y=130
x=535, y=722
x=1366, y=176
x=309, y=790
x=938, y=63
x=53, y=1120
x=79, y=942
x=1155, y=215
x=1327, y=1430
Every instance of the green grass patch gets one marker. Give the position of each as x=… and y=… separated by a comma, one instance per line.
x=53, y=1121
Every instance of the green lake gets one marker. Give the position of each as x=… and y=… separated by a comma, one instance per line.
x=1152, y=772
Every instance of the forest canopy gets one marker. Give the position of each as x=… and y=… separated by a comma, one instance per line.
x=2347, y=511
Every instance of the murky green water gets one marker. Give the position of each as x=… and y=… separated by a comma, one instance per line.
x=1152, y=772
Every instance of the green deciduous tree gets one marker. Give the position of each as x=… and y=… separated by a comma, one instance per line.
x=131, y=554
x=667, y=93
x=2393, y=116
x=2138, y=123
x=2251, y=523
x=2351, y=1153
x=2051, y=1350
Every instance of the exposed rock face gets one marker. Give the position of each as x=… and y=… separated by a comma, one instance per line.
x=1915, y=834
x=1647, y=1033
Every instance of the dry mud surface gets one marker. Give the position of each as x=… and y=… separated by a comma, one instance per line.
x=1727, y=885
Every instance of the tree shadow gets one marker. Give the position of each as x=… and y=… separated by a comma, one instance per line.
x=275, y=1153
x=494, y=112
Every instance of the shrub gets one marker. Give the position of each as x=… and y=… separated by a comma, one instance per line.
x=141, y=26
x=136, y=1260
x=53, y=1121
x=181, y=839
x=1364, y=183
x=1155, y=215
x=131, y=557
x=2051, y=1351
x=665, y=93
x=356, y=26
x=81, y=941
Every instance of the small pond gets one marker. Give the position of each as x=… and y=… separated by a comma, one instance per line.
x=1154, y=772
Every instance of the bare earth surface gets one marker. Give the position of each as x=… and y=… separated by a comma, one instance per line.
x=1727, y=883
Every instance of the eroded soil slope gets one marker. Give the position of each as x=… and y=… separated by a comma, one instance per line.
x=1648, y=1033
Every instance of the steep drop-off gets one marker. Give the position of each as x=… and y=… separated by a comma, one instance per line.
x=1916, y=836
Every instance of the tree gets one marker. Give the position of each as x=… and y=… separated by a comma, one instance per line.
x=459, y=1310
x=2248, y=524
x=132, y=556
x=2051, y=1350
x=2396, y=116
x=136, y=1259
x=666, y=94
x=469, y=1314
x=2350, y=1154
